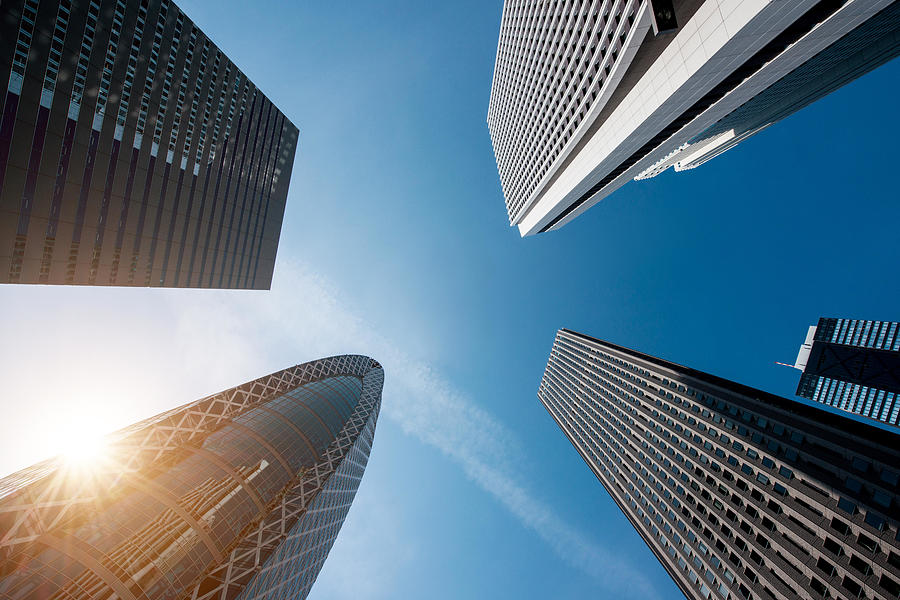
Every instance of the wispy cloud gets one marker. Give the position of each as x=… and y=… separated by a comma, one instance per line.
x=305, y=313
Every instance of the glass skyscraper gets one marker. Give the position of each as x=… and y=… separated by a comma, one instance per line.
x=853, y=365
x=237, y=495
x=587, y=96
x=133, y=151
x=740, y=494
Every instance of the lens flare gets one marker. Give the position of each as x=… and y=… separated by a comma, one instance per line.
x=81, y=447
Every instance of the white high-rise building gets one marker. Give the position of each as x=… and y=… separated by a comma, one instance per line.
x=588, y=94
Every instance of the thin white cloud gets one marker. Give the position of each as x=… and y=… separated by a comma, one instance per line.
x=304, y=313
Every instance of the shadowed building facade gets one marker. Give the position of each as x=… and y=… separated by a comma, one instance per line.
x=853, y=365
x=739, y=493
x=237, y=495
x=133, y=151
x=587, y=96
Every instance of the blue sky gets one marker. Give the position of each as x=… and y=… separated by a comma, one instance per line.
x=396, y=244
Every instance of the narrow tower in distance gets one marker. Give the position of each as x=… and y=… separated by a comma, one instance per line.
x=853, y=365
x=237, y=495
x=740, y=494
x=133, y=151
x=589, y=95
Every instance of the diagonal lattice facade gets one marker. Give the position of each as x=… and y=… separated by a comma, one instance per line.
x=202, y=501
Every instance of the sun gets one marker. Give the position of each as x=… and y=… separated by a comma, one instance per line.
x=84, y=451
x=81, y=445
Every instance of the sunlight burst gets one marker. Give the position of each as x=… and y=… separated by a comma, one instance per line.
x=81, y=446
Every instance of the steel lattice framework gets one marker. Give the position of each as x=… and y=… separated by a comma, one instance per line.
x=43, y=499
x=263, y=538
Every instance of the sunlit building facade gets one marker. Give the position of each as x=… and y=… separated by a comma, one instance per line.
x=587, y=96
x=853, y=365
x=133, y=151
x=740, y=494
x=237, y=495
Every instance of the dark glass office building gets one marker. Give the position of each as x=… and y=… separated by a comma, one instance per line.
x=853, y=365
x=738, y=493
x=237, y=495
x=133, y=151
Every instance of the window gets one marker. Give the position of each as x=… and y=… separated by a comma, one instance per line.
x=846, y=506
x=875, y=520
x=889, y=477
x=882, y=498
x=840, y=526
x=851, y=586
x=868, y=543
x=890, y=585
x=833, y=547
x=860, y=464
x=826, y=567
x=818, y=586
x=860, y=565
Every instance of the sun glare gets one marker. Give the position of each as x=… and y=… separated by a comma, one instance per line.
x=84, y=451
x=81, y=446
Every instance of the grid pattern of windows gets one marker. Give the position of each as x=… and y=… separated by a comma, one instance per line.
x=853, y=397
x=854, y=365
x=738, y=493
x=567, y=133
x=881, y=335
x=54, y=56
x=23, y=44
x=557, y=63
x=139, y=66
x=160, y=531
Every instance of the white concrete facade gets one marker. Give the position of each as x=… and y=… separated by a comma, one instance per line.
x=557, y=65
x=678, y=91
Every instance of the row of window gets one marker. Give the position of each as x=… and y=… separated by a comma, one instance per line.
x=858, y=399
x=747, y=470
x=859, y=332
x=535, y=109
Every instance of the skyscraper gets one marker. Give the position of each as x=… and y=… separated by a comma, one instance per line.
x=133, y=151
x=738, y=493
x=853, y=365
x=588, y=95
x=237, y=495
